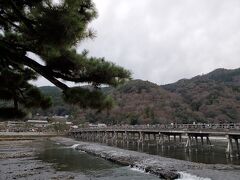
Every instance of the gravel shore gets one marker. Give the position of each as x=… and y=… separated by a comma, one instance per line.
x=18, y=161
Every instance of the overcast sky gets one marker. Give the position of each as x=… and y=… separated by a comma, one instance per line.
x=166, y=40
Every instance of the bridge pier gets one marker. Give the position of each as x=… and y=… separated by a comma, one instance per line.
x=74, y=134
x=208, y=140
x=88, y=136
x=169, y=138
x=162, y=136
x=174, y=137
x=80, y=135
x=202, y=142
x=104, y=136
x=189, y=141
x=194, y=135
x=141, y=138
x=196, y=140
x=230, y=150
x=114, y=137
x=100, y=136
x=155, y=139
x=135, y=137
x=126, y=137
x=91, y=135
x=237, y=145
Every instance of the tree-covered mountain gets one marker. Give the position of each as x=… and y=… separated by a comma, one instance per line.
x=144, y=102
x=59, y=107
x=54, y=92
x=213, y=97
x=219, y=76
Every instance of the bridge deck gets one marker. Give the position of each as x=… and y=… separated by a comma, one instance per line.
x=147, y=131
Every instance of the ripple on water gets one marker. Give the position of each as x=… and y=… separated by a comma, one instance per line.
x=187, y=176
x=183, y=175
x=74, y=146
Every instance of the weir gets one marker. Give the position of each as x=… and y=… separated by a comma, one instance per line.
x=195, y=135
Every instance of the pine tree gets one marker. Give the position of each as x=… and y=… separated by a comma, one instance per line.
x=52, y=32
x=14, y=86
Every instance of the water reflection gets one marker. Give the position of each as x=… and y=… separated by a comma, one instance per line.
x=90, y=167
x=209, y=154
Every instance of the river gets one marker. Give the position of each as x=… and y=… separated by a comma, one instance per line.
x=68, y=159
x=209, y=154
x=90, y=167
x=48, y=159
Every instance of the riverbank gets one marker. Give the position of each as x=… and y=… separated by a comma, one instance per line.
x=160, y=166
x=18, y=160
x=43, y=159
x=17, y=136
x=28, y=134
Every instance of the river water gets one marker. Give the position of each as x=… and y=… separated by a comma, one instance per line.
x=68, y=159
x=208, y=154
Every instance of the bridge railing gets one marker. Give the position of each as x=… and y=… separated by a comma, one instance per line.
x=185, y=127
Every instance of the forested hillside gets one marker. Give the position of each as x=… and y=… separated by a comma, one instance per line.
x=59, y=107
x=213, y=97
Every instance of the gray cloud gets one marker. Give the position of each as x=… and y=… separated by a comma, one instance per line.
x=166, y=40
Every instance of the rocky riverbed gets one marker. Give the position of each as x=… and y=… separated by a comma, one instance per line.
x=166, y=168
x=18, y=160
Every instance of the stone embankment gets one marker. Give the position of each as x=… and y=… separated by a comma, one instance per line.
x=165, y=168
x=25, y=135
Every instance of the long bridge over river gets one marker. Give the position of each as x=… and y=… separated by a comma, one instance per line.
x=196, y=134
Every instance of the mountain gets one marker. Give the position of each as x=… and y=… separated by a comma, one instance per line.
x=136, y=102
x=59, y=107
x=54, y=92
x=144, y=102
x=219, y=76
x=213, y=97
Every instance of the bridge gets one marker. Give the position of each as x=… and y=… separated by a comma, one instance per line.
x=195, y=134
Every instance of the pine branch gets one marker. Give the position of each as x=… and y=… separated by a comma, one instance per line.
x=42, y=70
x=25, y=20
x=15, y=57
x=4, y=20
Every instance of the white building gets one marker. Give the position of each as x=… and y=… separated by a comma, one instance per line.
x=38, y=123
